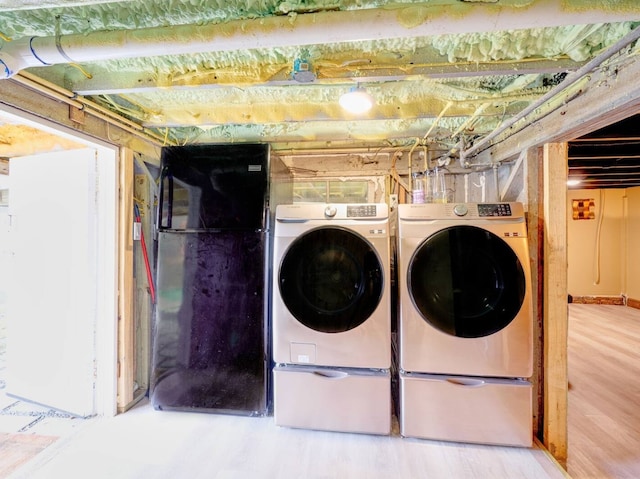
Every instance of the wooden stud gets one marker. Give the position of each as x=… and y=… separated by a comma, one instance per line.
x=126, y=336
x=555, y=313
x=533, y=184
x=143, y=306
x=4, y=166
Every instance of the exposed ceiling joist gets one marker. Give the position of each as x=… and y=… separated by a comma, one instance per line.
x=404, y=69
x=446, y=73
x=345, y=26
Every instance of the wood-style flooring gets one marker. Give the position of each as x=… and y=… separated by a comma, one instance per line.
x=604, y=394
x=18, y=449
x=144, y=443
x=604, y=432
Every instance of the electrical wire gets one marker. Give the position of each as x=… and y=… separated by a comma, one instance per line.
x=152, y=290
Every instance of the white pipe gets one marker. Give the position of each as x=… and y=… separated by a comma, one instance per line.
x=572, y=78
x=466, y=188
x=304, y=29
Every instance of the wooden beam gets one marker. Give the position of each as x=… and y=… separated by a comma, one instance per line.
x=126, y=320
x=555, y=314
x=18, y=96
x=422, y=61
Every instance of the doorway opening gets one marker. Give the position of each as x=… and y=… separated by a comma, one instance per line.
x=89, y=221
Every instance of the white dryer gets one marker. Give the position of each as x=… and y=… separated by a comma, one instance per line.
x=465, y=290
x=465, y=320
x=331, y=317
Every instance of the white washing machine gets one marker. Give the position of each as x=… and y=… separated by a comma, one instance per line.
x=465, y=321
x=331, y=317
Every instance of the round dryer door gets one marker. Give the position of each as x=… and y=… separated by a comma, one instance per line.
x=331, y=279
x=466, y=282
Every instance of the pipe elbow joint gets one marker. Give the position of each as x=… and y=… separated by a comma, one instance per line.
x=9, y=66
x=14, y=57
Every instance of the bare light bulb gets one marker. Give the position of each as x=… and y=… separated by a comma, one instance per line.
x=356, y=101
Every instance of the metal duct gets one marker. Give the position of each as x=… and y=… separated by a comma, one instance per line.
x=299, y=30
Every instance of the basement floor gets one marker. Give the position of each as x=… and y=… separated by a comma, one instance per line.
x=26, y=429
x=40, y=443
x=153, y=444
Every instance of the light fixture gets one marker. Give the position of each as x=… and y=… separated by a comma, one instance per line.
x=573, y=182
x=356, y=101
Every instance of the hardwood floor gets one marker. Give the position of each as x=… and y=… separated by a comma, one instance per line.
x=604, y=394
x=157, y=445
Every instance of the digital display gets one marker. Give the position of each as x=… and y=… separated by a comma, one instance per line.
x=361, y=211
x=494, y=209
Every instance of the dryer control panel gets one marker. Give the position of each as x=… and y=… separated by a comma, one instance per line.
x=361, y=211
x=511, y=211
x=494, y=209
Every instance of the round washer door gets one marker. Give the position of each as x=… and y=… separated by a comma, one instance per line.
x=331, y=279
x=466, y=282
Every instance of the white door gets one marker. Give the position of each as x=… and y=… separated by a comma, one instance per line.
x=53, y=295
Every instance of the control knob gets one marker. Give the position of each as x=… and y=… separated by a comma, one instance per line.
x=460, y=210
x=330, y=211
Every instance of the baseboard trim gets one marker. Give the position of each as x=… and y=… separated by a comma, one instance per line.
x=611, y=300
x=633, y=303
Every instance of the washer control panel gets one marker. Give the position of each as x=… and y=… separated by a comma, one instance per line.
x=362, y=211
x=494, y=209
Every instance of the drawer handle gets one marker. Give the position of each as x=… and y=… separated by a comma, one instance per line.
x=331, y=374
x=469, y=382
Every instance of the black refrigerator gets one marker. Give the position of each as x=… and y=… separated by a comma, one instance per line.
x=210, y=334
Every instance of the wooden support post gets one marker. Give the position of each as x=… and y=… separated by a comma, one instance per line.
x=126, y=338
x=532, y=164
x=555, y=315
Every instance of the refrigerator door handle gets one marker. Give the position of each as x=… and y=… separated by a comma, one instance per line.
x=168, y=177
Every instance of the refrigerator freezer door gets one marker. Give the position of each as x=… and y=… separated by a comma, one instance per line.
x=214, y=187
x=209, y=339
